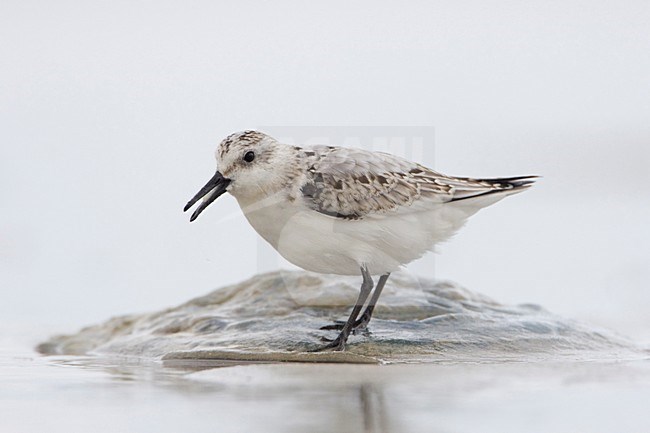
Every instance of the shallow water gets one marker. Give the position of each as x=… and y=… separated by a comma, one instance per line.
x=80, y=394
x=438, y=359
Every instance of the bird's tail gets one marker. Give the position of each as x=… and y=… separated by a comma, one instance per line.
x=497, y=186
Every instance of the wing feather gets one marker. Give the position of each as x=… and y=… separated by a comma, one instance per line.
x=355, y=183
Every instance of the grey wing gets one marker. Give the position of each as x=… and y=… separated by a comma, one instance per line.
x=354, y=183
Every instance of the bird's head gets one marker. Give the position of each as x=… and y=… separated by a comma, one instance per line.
x=250, y=165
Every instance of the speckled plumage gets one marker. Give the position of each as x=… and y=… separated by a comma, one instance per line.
x=333, y=210
x=356, y=183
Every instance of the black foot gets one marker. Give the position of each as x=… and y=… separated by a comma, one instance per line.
x=349, y=326
x=337, y=345
x=337, y=326
x=359, y=325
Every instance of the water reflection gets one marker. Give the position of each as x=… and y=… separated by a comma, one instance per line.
x=357, y=406
x=290, y=397
x=375, y=415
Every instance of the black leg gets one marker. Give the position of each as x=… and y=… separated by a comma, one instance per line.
x=367, y=314
x=363, y=321
x=366, y=288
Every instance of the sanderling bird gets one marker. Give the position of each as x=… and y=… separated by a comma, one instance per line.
x=345, y=211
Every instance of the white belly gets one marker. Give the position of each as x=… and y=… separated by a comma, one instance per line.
x=324, y=244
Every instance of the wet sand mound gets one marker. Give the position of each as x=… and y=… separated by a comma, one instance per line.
x=276, y=317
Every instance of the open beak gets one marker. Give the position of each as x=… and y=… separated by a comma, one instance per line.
x=212, y=190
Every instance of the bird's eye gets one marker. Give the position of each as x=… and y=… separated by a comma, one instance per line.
x=250, y=156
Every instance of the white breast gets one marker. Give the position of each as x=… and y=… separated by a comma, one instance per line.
x=325, y=244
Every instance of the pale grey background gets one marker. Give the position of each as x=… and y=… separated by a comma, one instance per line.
x=110, y=112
